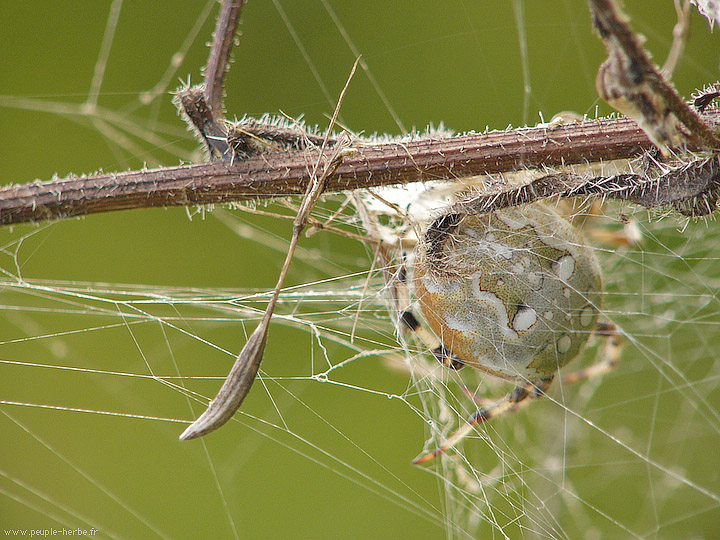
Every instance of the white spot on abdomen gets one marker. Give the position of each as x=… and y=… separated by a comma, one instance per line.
x=563, y=344
x=524, y=319
x=586, y=316
x=564, y=267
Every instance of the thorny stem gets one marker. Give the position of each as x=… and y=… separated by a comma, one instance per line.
x=619, y=38
x=286, y=173
x=219, y=60
x=692, y=189
x=202, y=106
x=281, y=174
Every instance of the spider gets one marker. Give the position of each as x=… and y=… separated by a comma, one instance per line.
x=505, y=282
x=510, y=292
x=514, y=292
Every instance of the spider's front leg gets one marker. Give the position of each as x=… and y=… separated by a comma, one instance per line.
x=441, y=353
x=533, y=389
x=610, y=355
x=522, y=394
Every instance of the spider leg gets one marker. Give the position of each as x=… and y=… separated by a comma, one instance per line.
x=533, y=389
x=610, y=355
x=629, y=236
x=480, y=401
x=441, y=353
x=591, y=217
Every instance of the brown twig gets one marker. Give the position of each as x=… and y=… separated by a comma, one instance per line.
x=201, y=106
x=219, y=60
x=630, y=82
x=287, y=173
x=692, y=190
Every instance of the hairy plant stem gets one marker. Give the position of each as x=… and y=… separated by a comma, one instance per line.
x=279, y=174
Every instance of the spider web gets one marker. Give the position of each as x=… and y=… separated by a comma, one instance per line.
x=116, y=329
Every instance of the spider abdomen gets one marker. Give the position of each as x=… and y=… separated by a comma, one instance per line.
x=515, y=292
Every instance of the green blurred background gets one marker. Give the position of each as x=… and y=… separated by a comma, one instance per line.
x=341, y=468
